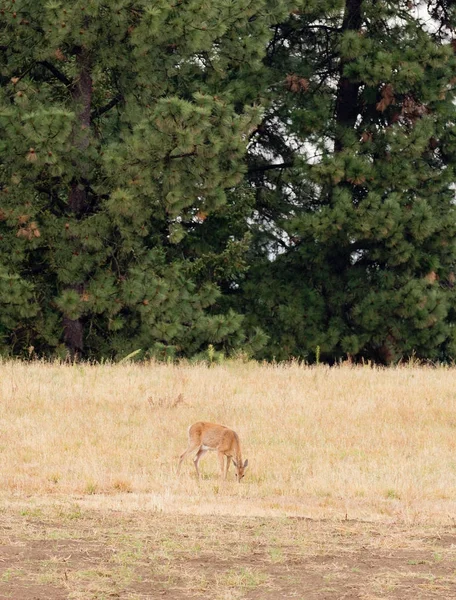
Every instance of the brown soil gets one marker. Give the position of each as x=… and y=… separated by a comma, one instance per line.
x=55, y=554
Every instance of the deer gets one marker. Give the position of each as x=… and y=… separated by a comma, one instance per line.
x=203, y=436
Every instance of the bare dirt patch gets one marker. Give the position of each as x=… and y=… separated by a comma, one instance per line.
x=60, y=552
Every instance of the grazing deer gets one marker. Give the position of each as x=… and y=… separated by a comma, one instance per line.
x=210, y=436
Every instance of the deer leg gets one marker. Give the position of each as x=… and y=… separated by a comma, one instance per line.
x=190, y=449
x=228, y=460
x=201, y=452
x=223, y=469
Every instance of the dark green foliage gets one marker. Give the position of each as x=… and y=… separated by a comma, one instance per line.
x=360, y=202
x=129, y=217
x=120, y=123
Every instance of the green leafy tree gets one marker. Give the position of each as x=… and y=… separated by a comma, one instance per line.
x=121, y=123
x=353, y=167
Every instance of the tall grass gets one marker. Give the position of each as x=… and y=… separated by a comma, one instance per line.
x=354, y=441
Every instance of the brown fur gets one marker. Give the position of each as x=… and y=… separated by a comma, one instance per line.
x=203, y=436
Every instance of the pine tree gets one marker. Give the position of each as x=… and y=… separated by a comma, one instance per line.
x=121, y=123
x=353, y=167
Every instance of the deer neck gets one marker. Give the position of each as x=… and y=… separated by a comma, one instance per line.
x=237, y=452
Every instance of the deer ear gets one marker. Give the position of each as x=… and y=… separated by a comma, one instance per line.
x=234, y=462
x=246, y=464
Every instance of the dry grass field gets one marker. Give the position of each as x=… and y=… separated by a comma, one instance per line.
x=350, y=491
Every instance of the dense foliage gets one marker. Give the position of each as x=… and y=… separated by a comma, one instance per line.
x=258, y=175
x=359, y=197
x=121, y=126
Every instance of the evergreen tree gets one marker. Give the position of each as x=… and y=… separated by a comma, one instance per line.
x=353, y=166
x=122, y=124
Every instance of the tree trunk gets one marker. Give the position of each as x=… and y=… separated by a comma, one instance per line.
x=81, y=93
x=347, y=108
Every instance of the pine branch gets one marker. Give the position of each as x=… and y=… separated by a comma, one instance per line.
x=268, y=137
x=326, y=28
x=270, y=167
x=57, y=74
x=98, y=112
x=185, y=155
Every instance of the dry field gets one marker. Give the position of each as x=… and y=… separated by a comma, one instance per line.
x=350, y=491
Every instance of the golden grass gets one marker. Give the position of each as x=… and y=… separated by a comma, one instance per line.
x=355, y=442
